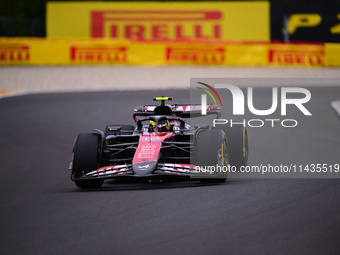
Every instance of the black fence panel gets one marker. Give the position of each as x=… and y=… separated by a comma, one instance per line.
x=18, y=27
x=308, y=22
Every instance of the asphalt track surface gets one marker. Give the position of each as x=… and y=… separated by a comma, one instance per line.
x=43, y=212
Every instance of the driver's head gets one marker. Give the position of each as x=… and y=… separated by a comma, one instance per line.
x=164, y=126
x=152, y=126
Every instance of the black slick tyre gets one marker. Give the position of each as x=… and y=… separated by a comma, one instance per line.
x=86, y=158
x=212, y=151
x=238, y=145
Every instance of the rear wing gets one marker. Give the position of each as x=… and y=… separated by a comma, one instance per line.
x=180, y=110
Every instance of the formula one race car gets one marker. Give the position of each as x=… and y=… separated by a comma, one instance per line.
x=161, y=146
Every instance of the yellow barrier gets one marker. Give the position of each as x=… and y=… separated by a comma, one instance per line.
x=332, y=54
x=33, y=51
x=227, y=21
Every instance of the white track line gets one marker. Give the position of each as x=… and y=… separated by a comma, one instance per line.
x=336, y=106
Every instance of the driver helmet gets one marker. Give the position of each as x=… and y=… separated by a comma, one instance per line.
x=152, y=126
x=164, y=126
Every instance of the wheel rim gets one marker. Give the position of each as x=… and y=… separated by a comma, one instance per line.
x=222, y=157
x=245, y=146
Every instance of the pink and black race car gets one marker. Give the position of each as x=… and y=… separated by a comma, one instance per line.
x=161, y=146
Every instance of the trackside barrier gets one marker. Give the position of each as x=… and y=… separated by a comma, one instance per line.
x=227, y=21
x=35, y=51
x=332, y=53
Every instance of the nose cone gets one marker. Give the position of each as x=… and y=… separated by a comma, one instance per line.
x=144, y=168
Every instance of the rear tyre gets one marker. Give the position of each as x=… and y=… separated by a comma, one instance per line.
x=212, y=150
x=86, y=158
x=238, y=145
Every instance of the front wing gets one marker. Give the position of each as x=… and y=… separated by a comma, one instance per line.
x=163, y=170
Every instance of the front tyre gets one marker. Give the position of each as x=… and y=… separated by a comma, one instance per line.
x=86, y=158
x=212, y=151
x=238, y=145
